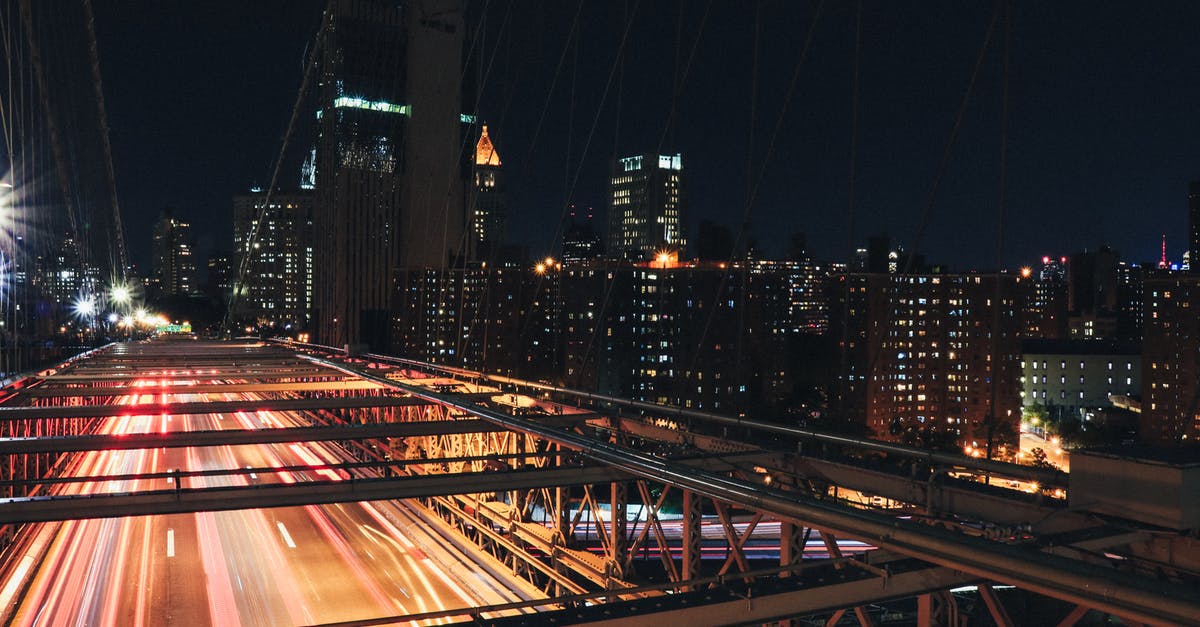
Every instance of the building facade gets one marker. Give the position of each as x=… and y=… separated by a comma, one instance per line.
x=173, y=266
x=645, y=208
x=928, y=360
x=390, y=174
x=61, y=277
x=1072, y=376
x=1171, y=360
x=581, y=242
x=1045, y=293
x=273, y=241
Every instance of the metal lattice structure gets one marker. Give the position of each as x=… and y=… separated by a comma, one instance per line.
x=604, y=509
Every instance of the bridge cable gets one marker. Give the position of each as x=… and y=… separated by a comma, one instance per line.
x=843, y=391
x=56, y=139
x=121, y=260
x=757, y=181
x=590, y=136
x=948, y=150
x=680, y=81
x=244, y=261
x=521, y=177
x=992, y=423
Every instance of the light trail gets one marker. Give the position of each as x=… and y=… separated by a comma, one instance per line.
x=262, y=567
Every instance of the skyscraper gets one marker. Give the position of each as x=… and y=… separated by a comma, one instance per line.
x=580, y=243
x=390, y=175
x=1045, y=301
x=645, y=208
x=489, y=200
x=277, y=245
x=173, y=266
x=61, y=277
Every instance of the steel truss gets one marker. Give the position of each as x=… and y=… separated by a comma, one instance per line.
x=516, y=473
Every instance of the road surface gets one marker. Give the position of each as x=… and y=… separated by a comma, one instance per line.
x=282, y=566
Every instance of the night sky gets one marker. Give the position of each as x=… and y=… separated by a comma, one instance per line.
x=1103, y=132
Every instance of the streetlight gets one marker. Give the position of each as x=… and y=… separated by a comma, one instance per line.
x=121, y=294
x=85, y=307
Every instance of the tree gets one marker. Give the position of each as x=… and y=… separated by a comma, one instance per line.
x=1039, y=459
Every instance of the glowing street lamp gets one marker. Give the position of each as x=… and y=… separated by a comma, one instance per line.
x=121, y=294
x=85, y=307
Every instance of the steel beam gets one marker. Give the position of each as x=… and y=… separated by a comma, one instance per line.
x=1102, y=588
x=48, y=391
x=58, y=508
x=1045, y=477
x=230, y=437
x=207, y=407
x=762, y=607
x=258, y=373
x=967, y=501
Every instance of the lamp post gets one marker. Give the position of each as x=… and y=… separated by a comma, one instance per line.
x=120, y=296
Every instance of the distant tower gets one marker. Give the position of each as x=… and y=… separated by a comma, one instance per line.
x=1163, y=264
x=580, y=242
x=645, y=208
x=173, y=266
x=489, y=202
x=277, y=287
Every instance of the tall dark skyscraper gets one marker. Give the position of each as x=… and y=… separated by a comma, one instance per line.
x=1194, y=227
x=580, y=242
x=645, y=207
x=389, y=170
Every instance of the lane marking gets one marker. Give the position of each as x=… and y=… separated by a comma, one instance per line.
x=170, y=543
x=287, y=537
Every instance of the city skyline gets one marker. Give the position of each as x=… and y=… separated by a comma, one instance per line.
x=1099, y=151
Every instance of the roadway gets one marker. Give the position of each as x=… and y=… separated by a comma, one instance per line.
x=298, y=565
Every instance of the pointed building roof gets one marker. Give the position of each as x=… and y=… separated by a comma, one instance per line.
x=485, y=153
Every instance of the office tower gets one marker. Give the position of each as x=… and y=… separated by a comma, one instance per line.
x=61, y=277
x=1170, y=361
x=1194, y=227
x=273, y=246
x=922, y=354
x=1092, y=294
x=645, y=208
x=879, y=255
x=222, y=272
x=581, y=242
x=488, y=201
x=1045, y=299
x=173, y=268
x=390, y=172
x=1130, y=304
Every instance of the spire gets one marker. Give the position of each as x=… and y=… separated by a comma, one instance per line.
x=485, y=153
x=1162, y=263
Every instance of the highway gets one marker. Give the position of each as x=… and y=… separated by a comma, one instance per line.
x=283, y=566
